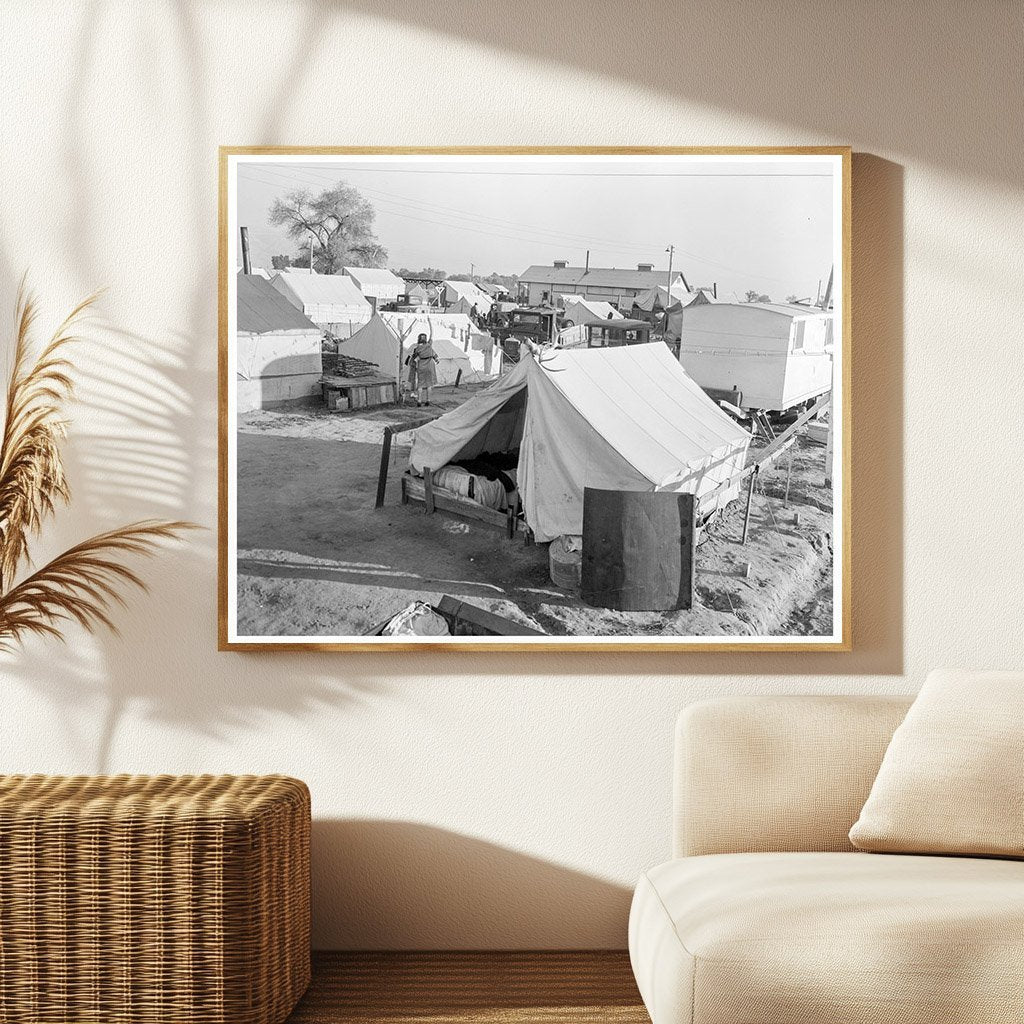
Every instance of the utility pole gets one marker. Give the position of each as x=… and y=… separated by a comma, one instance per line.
x=671, y=250
x=311, y=252
x=246, y=262
x=472, y=267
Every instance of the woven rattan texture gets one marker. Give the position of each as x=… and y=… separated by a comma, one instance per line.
x=144, y=899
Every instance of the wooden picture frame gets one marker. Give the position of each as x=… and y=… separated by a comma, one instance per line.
x=481, y=628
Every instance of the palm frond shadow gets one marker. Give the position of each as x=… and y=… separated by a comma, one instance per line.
x=148, y=447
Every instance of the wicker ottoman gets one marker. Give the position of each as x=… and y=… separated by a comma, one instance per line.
x=135, y=900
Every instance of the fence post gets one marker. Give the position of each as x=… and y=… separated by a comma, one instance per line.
x=385, y=459
x=750, y=498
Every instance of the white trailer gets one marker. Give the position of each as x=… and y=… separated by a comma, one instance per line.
x=772, y=356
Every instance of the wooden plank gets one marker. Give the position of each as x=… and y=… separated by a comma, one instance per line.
x=483, y=623
x=407, y=425
x=385, y=461
x=335, y=381
x=413, y=490
x=557, y=987
x=428, y=490
x=772, y=450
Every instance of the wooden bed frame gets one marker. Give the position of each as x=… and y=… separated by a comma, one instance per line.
x=424, y=491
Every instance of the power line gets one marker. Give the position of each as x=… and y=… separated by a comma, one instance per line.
x=538, y=235
x=555, y=236
x=398, y=211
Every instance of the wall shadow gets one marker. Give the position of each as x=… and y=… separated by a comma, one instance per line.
x=888, y=78
x=405, y=885
x=143, y=443
x=149, y=447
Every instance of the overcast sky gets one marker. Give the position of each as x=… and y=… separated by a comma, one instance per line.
x=745, y=225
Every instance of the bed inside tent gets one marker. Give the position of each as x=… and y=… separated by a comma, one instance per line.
x=520, y=453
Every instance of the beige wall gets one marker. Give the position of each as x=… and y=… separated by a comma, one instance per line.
x=482, y=800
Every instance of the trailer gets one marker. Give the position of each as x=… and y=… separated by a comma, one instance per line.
x=774, y=357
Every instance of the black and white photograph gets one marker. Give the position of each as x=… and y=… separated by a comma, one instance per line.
x=567, y=399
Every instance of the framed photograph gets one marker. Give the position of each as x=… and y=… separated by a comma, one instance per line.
x=568, y=399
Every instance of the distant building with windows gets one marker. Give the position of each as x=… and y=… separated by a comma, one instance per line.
x=605, y=284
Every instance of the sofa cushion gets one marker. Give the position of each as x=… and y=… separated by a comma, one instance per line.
x=950, y=781
x=833, y=938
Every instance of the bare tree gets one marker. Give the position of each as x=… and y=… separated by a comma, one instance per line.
x=341, y=223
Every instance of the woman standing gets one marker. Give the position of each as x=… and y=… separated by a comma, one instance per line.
x=422, y=369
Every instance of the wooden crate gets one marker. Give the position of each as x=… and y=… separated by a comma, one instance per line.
x=342, y=394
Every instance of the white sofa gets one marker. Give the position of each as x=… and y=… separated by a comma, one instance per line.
x=767, y=914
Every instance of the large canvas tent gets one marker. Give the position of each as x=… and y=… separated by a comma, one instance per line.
x=377, y=343
x=776, y=355
x=662, y=298
x=375, y=283
x=622, y=418
x=331, y=301
x=462, y=296
x=277, y=359
x=457, y=328
x=589, y=311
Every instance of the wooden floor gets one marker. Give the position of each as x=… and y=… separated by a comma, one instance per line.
x=467, y=988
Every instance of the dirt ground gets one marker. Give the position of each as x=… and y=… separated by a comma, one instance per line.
x=315, y=558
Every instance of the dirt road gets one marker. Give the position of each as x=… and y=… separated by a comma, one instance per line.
x=316, y=559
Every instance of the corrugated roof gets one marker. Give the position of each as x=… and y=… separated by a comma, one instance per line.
x=262, y=309
x=322, y=289
x=597, y=277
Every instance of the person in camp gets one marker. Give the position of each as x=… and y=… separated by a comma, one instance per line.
x=422, y=362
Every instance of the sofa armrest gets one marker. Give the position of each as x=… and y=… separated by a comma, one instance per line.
x=789, y=773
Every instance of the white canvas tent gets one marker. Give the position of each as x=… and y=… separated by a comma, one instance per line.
x=331, y=301
x=277, y=358
x=457, y=328
x=492, y=289
x=661, y=297
x=378, y=343
x=621, y=418
x=462, y=296
x=417, y=293
x=375, y=283
x=589, y=311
